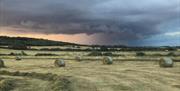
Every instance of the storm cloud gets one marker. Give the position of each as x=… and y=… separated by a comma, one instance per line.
x=120, y=20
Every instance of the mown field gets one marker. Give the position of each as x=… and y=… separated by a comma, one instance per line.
x=129, y=72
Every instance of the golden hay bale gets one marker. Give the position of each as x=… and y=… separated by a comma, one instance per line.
x=59, y=63
x=166, y=62
x=78, y=58
x=107, y=60
x=18, y=58
x=2, y=63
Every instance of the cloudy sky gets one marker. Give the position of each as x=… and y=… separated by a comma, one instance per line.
x=107, y=22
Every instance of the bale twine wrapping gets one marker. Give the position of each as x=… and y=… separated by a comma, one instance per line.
x=166, y=62
x=107, y=60
x=2, y=63
x=59, y=63
x=18, y=58
x=78, y=58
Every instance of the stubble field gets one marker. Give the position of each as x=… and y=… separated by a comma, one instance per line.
x=127, y=73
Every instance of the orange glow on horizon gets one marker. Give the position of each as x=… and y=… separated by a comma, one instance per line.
x=73, y=38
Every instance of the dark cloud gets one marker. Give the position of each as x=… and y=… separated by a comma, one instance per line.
x=120, y=19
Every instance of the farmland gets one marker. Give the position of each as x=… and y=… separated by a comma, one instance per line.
x=128, y=72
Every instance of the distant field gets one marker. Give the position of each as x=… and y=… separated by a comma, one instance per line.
x=134, y=73
x=62, y=47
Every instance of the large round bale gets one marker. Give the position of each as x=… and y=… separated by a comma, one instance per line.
x=78, y=58
x=2, y=63
x=107, y=60
x=18, y=58
x=166, y=62
x=59, y=63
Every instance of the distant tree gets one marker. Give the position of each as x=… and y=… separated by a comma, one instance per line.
x=104, y=48
x=18, y=46
x=140, y=54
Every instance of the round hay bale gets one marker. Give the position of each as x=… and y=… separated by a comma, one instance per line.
x=18, y=58
x=59, y=63
x=107, y=60
x=2, y=63
x=166, y=62
x=78, y=58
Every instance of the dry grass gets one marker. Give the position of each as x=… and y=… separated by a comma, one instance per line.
x=127, y=73
x=121, y=76
x=14, y=83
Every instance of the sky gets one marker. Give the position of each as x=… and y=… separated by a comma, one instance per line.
x=102, y=22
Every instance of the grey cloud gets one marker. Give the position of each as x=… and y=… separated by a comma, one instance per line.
x=124, y=19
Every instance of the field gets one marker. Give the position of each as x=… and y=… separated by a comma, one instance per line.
x=128, y=72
